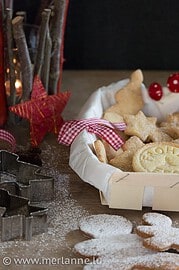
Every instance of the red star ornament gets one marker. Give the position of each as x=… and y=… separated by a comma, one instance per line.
x=43, y=111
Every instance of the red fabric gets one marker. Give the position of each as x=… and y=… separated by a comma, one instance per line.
x=100, y=127
x=3, y=104
x=8, y=137
x=43, y=111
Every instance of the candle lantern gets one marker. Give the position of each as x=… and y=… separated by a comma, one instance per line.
x=17, y=78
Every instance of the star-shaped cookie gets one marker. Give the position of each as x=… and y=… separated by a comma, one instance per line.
x=43, y=111
x=139, y=125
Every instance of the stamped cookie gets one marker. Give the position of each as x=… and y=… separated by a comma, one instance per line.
x=158, y=232
x=157, y=157
x=158, y=261
x=103, y=225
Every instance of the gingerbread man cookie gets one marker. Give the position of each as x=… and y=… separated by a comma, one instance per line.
x=158, y=233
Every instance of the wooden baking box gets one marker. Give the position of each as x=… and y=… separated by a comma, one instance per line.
x=118, y=189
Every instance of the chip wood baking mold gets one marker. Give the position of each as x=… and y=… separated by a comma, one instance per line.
x=128, y=191
x=119, y=189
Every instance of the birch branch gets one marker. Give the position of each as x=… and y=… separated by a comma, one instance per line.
x=47, y=57
x=57, y=28
x=9, y=4
x=12, y=78
x=41, y=45
x=24, y=57
x=22, y=14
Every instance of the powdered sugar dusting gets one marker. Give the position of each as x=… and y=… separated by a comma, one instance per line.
x=122, y=246
x=165, y=261
x=160, y=234
x=63, y=215
x=157, y=219
x=63, y=219
x=103, y=225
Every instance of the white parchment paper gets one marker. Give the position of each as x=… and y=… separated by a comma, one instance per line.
x=82, y=159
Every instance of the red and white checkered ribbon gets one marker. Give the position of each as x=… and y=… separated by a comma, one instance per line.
x=102, y=128
x=8, y=137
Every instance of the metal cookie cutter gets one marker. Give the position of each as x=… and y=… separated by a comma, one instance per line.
x=22, y=184
x=19, y=219
x=24, y=179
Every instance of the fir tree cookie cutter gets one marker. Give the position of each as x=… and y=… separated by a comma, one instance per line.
x=24, y=179
x=21, y=186
x=20, y=219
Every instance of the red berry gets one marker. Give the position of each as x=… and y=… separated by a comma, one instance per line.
x=155, y=91
x=173, y=83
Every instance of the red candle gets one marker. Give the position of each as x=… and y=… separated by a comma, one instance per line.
x=3, y=104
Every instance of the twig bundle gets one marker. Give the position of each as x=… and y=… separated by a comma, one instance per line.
x=10, y=57
x=24, y=57
x=57, y=33
x=49, y=53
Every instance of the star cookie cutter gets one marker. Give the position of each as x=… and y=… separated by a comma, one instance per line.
x=20, y=219
x=24, y=179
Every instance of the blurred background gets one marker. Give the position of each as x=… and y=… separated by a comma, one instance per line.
x=117, y=34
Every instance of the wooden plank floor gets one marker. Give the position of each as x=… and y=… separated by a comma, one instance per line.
x=73, y=197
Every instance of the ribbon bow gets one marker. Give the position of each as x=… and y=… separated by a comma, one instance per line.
x=101, y=127
x=8, y=137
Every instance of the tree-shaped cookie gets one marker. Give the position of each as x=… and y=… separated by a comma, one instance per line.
x=129, y=98
x=158, y=232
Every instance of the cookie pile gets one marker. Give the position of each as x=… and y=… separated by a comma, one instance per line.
x=146, y=141
x=115, y=245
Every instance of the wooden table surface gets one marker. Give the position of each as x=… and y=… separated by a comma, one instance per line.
x=73, y=197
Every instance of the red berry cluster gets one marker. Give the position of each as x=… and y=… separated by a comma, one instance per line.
x=155, y=89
